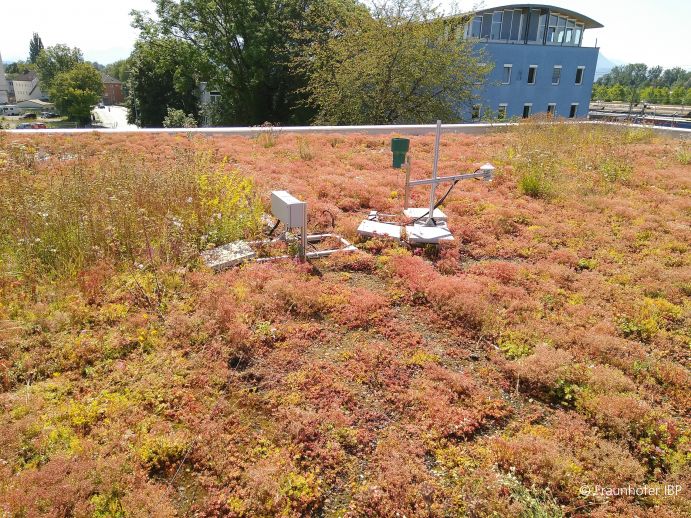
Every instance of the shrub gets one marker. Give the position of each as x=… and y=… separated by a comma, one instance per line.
x=615, y=169
x=121, y=207
x=304, y=149
x=268, y=137
x=684, y=155
x=536, y=185
x=550, y=373
x=162, y=453
x=515, y=345
x=178, y=119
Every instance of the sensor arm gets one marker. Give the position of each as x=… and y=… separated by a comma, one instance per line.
x=484, y=173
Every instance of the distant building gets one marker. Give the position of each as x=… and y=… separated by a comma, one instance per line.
x=26, y=87
x=4, y=86
x=208, y=96
x=540, y=65
x=112, y=90
x=35, y=105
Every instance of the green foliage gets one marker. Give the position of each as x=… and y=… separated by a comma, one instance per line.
x=615, y=170
x=35, y=48
x=52, y=61
x=652, y=316
x=515, y=345
x=684, y=155
x=178, y=119
x=95, y=212
x=636, y=82
x=107, y=505
x=76, y=91
x=638, y=75
x=565, y=392
x=586, y=264
x=119, y=69
x=534, y=502
x=163, y=74
x=160, y=453
x=268, y=137
x=383, y=67
x=249, y=45
x=535, y=184
x=305, y=150
x=19, y=67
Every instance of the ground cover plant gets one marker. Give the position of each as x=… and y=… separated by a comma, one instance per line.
x=540, y=356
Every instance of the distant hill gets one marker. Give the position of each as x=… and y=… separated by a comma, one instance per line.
x=604, y=65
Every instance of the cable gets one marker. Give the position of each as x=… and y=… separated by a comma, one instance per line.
x=441, y=200
x=333, y=218
x=271, y=232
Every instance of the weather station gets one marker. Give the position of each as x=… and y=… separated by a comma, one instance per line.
x=425, y=225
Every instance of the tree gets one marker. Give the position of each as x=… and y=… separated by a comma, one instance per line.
x=35, y=48
x=676, y=77
x=676, y=96
x=19, y=67
x=178, y=119
x=54, y=60
x=401, y=62
x=163, y=73
x=119, y=70
x=250, y=44
x=653, y=76
x=76, y=91
x=617, y=93
x=648, y=94
x=634, y=74
x=687, y=97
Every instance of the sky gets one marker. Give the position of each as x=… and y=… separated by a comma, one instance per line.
x=636, y=31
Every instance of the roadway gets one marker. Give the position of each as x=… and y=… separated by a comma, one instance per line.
x=114, y=117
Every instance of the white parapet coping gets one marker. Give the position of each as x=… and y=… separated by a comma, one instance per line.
x=399, y=129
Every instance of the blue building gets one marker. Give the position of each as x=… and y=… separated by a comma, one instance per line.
x=540, y=65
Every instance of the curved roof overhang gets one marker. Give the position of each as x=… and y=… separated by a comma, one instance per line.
x=589, y=23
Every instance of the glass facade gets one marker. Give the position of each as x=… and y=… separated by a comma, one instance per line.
x=537, y=26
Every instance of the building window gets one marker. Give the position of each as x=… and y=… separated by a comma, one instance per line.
x=570, y=24
x=573, y=111
x=579, y=75
x=517, y=25
x=556, y=74
x=476, y=27
x=506, y=78
x=532, y=74
x=501, y=111
x=477, y=109
x=214, y=96
x=533, y=24
x=552, y=109
x=578, y=34
x=486, y=25
x=527, y=108
x=496, y=25
x=506, y=24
